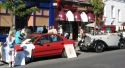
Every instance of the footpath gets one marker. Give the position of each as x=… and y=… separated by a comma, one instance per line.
x=4, y=65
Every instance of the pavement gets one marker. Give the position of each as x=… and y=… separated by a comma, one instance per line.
x=3, y=64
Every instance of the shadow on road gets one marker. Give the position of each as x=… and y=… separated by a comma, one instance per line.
x=112, y=49
x=105, y=50
x=48, y=58
x=78, y=53
x=2, y=63
x=45, y=58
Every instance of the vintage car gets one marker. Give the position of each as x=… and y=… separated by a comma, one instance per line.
x=101, y=40
x=48, y=44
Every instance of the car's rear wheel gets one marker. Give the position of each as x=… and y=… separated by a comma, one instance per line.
x=122, y=45
x=64, y=54
x=28, y=60
x=99, y=47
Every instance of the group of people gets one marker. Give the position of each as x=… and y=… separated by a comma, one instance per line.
x=45, y=29
x=59, y=30
x=69, y=35
x=53, y=30
x=14, y=37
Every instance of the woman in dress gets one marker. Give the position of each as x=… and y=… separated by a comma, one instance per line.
x=10, y=43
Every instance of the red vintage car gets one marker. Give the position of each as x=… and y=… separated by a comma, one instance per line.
x=48, y=44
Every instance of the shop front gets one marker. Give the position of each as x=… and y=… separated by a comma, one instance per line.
x=68, y=23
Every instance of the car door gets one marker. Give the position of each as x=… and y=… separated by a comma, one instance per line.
x=42, y=46
x=57, y=44
x=113, y=39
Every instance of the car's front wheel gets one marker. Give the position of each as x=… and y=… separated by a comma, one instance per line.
x=99, y=47
x=122, y=45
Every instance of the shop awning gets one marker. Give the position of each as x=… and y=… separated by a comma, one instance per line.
x=77, y=16
x=62, y=15
x=69, y=16
x=90, y=17
x=84, y=17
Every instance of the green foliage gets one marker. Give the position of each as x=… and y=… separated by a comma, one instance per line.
x=18, y=7
x=97, y=9
x=97, y=6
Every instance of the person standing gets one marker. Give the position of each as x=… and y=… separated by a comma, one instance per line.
x=52, y=30
x=60, y=30
x=18, y=37
x=19, y=54
x=10, y=43
x=44, y=29
x=82, y=33
x=12, y=30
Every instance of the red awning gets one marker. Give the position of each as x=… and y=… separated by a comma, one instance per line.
x=62, y=15
x=90, y=17
x=77, y=16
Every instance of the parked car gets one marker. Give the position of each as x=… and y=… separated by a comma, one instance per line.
x=104, y=37
x=48, y=44
x=101, y=40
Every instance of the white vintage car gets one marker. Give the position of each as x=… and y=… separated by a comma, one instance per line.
x=101, y=41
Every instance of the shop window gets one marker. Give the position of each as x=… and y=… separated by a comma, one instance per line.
x=40, y=12
x=43, y=12
x=112, y=12
x=118, y=15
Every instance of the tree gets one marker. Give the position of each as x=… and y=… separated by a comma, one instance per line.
x=97, y=8
x=18, y=8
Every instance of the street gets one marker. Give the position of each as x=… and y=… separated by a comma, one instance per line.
x=107, y=59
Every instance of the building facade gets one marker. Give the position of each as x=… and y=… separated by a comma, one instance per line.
x=45, y=16
x=114, y=12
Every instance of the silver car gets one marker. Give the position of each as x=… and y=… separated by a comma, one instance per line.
x=99, y=42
